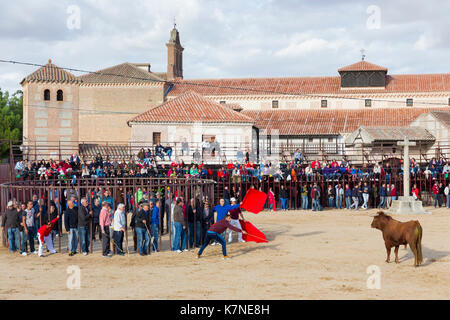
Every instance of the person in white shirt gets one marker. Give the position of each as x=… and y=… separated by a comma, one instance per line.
x=447, y=195
x=119, y=228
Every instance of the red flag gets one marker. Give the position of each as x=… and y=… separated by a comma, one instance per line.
x=254, y=201
x=253, y=234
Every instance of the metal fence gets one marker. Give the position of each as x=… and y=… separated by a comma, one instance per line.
x=122, y=190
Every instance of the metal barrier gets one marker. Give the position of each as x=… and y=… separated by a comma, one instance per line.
x=123, y=190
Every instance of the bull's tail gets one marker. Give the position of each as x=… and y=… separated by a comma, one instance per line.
x=418, y=242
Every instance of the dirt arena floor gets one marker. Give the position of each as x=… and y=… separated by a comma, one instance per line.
x=309, y=256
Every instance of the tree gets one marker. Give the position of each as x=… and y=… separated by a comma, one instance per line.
x=11, y=117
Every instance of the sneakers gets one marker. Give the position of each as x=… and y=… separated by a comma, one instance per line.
x=34, y=252
x=214, y=243
x=179, y=251
x=242, y=240
x=107, y=256
x=198, y=256
x=185, y=250
x=84, y=253
x=71, y=254
x=24, y=254
x=225, y=257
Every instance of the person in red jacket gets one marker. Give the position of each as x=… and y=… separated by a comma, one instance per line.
x=44, y=236
x=214, y=233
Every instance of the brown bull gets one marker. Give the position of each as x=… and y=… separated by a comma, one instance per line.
x=396, y=233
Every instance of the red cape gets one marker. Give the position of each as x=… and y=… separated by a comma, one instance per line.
x=254, y=201
x=253, y=233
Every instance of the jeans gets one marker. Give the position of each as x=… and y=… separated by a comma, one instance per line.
x=197, y=234
x=217, y=238
x=73, y=240
x=382, y=202
x=118, y=240
x=339, y=202
x=13, y=239
x=330, y=202
x=304, y=202
x=393, y=198
x=355, y=203
x=448, y=201
x=95, y=228
x=315, y=205
x=180, y=234
x=105, y=241
x=283, y=204
x=366, y=200
x=172, y=231
x=23, y=241
x=348, y=202
x=85, y=238
x=155, y=234
x=143, y=240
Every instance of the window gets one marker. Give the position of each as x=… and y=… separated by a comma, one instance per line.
x=275, y=104
x=59, y=95
x=368, y=102
x=310, y=139
x=46, y=95
x=409, y=102
x=222, y=102
x=323, y=103
x=330, y=139
x=156, y=137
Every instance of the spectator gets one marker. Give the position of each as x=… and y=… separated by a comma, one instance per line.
x=96, y=208
x=365, y=194
x=393, y=193
x=84, y=223
x=194, y=223
x=382, y=193
x=415, y=192
x=272, y=204
x=355, y=197
x=441, y=194
x=348, y=197
x=207, y=219
x=331, y=195
x=304, y=194
x=234, y=214
x=119, y=228
x=284, y=198
x=155, y=224
x=71, y=225
x=10, y=224
x=180, y=227
x=339, y=196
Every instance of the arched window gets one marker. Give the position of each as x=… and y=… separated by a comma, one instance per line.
x=46, y=94
x=59, y=95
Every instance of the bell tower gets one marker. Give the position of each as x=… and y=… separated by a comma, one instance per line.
x=174, y=55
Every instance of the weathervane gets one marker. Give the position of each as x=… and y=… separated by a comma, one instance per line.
x=362, y=54
x=174, y=22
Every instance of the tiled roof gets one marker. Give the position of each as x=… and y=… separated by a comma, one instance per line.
x=442, y=116
x=51, y=73
x=309, y=85
x=372, y=134
x=122, y=73
x=363, y=66
x=331, y=122
x=191, y=107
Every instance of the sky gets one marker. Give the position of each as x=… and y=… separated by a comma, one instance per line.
x=226, y=38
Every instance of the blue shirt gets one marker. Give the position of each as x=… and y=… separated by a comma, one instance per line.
x=155, y=216
x=223, y=210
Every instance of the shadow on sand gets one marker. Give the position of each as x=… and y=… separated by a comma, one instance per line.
x=429, y=255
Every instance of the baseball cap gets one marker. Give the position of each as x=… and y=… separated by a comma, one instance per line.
x=10, y=203
x=233, y=199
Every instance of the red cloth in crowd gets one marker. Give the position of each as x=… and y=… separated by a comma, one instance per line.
x=220, y=174
x=44, y=231
x=230, y=166
x=254, y=201
x=393, y=192
x=253, y=234
x=313, y=164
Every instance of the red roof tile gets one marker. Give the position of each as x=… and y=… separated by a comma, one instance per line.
x=51, y=73
x=331, y=122
x=191, y=107
x=363, y=66
x=309, y=85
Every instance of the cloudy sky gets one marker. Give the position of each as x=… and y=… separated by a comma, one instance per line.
x=226, y=38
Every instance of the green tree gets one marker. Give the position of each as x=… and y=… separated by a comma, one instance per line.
x=11, y=116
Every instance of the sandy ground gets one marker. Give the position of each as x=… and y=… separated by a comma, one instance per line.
x=309, y=256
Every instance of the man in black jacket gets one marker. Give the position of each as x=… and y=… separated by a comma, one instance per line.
x=143, y=221
x=284, y=197
x=11, y=222
x=84, y=226
x=71, y=225
x=194, y=223
x=96, y=208
x=207, y=219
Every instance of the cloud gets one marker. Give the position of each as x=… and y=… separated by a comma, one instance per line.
x=233, y=38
